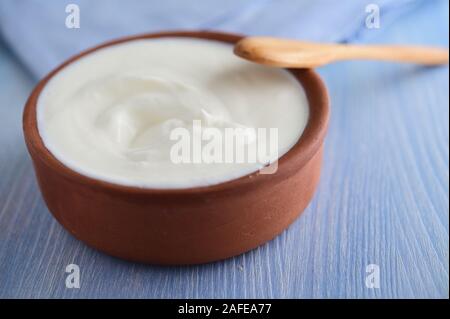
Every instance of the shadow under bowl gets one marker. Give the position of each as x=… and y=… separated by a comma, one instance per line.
x=182, y=226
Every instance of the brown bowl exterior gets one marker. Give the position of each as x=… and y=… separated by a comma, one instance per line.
x=182, y=226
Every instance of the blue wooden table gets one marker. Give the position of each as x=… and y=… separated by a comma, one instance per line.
x=383, y=198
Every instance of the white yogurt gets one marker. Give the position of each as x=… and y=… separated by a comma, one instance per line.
x=109, y=115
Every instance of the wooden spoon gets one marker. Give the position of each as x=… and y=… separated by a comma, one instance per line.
x=298, y=54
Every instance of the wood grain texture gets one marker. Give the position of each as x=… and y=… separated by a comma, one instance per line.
x=383, y=199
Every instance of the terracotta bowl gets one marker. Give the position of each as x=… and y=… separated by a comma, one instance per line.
x=182, y=226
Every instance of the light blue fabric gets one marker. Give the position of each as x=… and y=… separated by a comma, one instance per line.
x=36, y=31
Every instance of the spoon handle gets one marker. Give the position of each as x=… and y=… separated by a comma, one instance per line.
x=397, y=53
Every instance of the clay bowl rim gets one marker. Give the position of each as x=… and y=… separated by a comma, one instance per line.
x=294, y=159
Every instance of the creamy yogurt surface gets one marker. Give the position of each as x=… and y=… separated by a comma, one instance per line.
x=110, y=114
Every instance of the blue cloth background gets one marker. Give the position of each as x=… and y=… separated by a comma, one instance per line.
x=36, y=31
